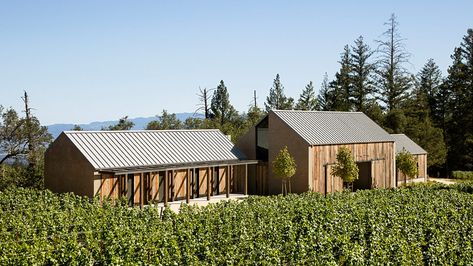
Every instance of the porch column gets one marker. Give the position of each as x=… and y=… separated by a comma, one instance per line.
x=227, y=181
x=188, y=185
x=245, y=184
x=173, y=192
x=208, y=183
x=166, y=187
x=142, y=189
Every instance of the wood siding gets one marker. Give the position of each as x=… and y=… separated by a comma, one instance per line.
x=67, y=170
x=152, y=190
x=323, y=158
x=421, y=166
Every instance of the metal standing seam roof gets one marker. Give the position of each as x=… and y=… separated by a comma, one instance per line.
x=404, y=142
x=329, y=127
x=127, y=149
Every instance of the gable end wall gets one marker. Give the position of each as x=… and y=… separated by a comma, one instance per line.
x=66, y=169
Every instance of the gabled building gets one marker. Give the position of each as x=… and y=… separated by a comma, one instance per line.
x=313, y=138
x=403, y=142
x=146, y=166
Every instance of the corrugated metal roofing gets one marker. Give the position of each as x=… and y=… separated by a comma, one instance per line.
x=121, y=149
x=403, y=141
x=327, y=127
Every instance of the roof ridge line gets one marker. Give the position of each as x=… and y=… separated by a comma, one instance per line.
x=138, y=131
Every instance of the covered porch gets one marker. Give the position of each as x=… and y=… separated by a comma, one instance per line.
x=163, y=184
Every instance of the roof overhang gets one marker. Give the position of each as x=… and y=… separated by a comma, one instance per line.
x=164, y=167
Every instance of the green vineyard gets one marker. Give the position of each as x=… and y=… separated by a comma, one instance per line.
x=424, y=224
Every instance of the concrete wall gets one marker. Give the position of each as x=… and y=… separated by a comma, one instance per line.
x=66, y=169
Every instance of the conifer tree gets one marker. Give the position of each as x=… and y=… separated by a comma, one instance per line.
x=460, y=122
x=418, y=109
x=307, y=100
x=362, y=87
x=276, y=98
x=393, y=80
x=221, y=108
x=426, y=91
x=324, y=97
x=341, y=87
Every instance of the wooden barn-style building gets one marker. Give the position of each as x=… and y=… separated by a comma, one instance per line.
x=313, y=138
x=403, y=142
x=146, y=166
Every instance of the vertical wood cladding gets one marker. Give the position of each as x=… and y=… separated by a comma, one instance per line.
x=380, y=154
x=150, y=187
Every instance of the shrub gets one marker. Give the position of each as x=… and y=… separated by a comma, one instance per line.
x=462, y=175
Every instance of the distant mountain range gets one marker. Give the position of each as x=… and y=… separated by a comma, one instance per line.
x=140, y=123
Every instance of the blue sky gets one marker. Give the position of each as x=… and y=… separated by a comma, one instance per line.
x=84, y=61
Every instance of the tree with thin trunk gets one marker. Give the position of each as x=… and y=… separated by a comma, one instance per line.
x=284, y=167
x=204, y=98
x=345, y=167
x=407, y=164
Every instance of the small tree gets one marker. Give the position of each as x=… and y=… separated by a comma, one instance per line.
x=345, y=167
x=406, y=163
x=284, y=167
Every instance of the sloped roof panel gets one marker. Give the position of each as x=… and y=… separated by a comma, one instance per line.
x=327, y=127
x=404, y=142
x=122, y=149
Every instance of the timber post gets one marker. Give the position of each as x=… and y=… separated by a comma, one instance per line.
x=188, y=185
x=227, y=182
x=166, y=187
x=208, y=183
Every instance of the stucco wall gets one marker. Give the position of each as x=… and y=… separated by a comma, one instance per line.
x=66, y=169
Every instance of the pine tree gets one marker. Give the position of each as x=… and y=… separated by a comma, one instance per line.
x=276, y=98
x=460, y=122
x=307, y=100
x=324, y=97
x=418, y=109
x=429, y=81
x=393, y=80
x=221, y=108
x=362, y=69
x=341, y=87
